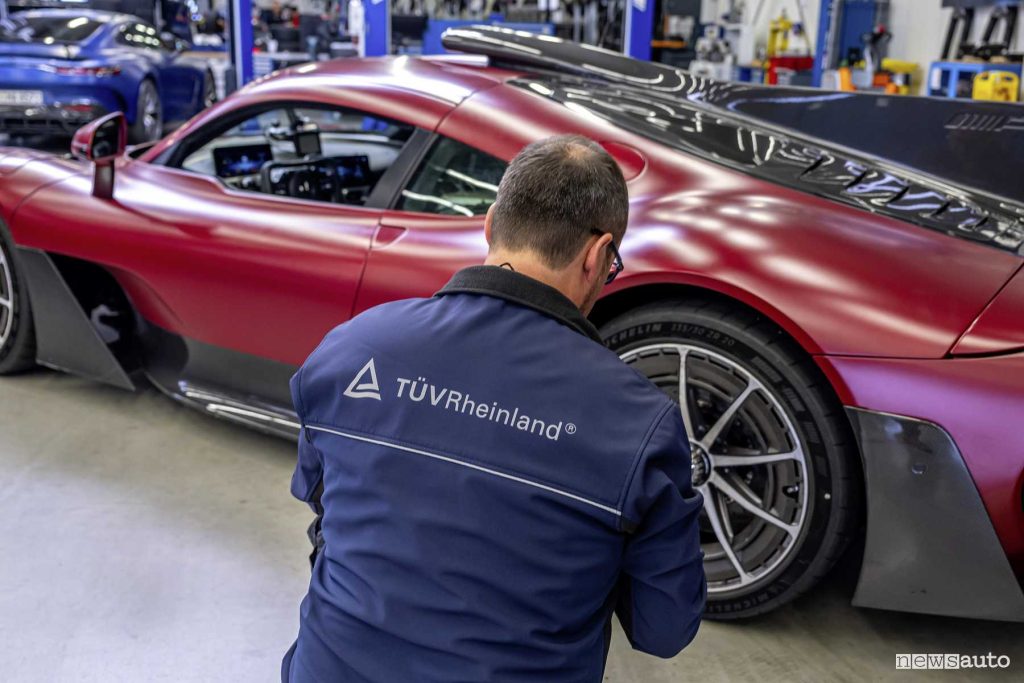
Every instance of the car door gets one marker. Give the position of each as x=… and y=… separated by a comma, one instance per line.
x=239, y=269
x=435, y=225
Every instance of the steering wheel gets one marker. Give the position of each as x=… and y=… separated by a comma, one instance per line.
x=302, y=179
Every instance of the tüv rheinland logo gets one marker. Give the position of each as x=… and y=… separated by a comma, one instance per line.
x=365, y=385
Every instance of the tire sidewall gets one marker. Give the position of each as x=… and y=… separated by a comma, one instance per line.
x=138, y=129
x=209, y=87
x=20, y=343
x=773, y=367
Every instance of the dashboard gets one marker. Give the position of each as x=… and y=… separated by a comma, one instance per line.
x=344, y=172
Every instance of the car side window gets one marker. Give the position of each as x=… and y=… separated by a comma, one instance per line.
x=453, y=180
x=322, y=154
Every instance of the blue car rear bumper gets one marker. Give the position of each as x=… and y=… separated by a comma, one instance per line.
x=67, y=101
x=62, y=118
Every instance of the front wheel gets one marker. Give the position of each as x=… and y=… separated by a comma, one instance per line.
x=149, y=121
x=771, y=451
x=17, y=333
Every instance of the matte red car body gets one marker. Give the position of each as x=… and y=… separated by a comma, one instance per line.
x=878, y=302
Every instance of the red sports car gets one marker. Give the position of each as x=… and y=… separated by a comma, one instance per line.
x=843, y=333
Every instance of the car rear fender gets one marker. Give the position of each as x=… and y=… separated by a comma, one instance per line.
x=997, y=329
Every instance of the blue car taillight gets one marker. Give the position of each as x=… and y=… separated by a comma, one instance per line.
x=86, y=70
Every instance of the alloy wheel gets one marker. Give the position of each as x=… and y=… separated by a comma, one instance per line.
x=151, y=114
x=209, y=92
x=747, y=460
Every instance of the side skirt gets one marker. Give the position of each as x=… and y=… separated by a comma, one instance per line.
x=226, y=384
x=264, y=418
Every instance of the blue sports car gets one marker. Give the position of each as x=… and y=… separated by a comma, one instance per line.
x=62, y=68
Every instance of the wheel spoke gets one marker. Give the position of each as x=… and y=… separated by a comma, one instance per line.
x=739, y=484
x=6, y=303
x=731, y=432
x=750, y=460
x=684, y=401
x=716, y=429
x=740, y=499
x=723, y=514
x=711, y=510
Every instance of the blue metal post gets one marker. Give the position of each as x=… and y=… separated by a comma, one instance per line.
x=240, y=23
x=823, y=52
x=377, y=27
x=639, y=29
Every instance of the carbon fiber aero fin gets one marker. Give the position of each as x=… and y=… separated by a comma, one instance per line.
x=65, y=338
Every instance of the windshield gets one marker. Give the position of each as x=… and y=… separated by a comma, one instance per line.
x=49, y=30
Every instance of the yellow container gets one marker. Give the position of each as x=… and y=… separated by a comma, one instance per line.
x=1000, y=86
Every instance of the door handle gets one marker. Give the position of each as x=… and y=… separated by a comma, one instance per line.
x=385, y=235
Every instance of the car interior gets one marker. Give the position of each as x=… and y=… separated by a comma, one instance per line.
x=327, y=155
x=455, y=179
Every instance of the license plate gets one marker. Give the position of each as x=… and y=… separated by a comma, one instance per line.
x=23, y=98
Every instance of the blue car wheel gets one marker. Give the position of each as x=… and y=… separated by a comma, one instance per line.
x=148, y=125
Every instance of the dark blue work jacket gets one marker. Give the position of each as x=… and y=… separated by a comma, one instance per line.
x=495, y=483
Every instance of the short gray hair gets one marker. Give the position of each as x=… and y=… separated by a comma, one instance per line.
x=554, y=194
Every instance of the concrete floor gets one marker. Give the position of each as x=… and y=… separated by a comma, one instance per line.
x=141, y=541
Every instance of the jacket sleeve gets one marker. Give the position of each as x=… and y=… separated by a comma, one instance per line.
x=308, y=478
x=309, y=470
x=662, y=589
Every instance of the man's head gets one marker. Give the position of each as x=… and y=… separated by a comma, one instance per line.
x=560, y=205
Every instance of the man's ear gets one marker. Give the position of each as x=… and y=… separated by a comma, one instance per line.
x=595, y=260
x=487, y=224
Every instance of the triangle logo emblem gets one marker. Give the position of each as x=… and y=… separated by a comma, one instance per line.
x=365, y=383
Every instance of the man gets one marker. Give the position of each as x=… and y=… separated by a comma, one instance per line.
x=492, y=481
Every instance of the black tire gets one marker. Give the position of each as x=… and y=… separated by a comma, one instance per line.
x=17, y=330
x=209, y=90
x=715, y=341
x=148, y=124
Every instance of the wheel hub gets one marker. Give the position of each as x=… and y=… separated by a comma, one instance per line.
x=700, y=465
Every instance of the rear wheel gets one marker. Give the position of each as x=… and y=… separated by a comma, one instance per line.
x=149, y=123
x=17, y=334
x=209, y=90
x=770, y=449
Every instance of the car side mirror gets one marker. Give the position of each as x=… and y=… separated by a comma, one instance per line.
x=102, y=141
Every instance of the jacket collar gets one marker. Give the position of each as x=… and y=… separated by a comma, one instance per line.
x=503, y=283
